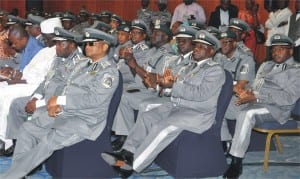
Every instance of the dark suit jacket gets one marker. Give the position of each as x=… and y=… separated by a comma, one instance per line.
x=215, y=19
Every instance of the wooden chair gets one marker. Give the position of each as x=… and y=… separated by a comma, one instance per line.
x=275, y=129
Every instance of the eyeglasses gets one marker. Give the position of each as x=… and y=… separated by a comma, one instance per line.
x=93, y=43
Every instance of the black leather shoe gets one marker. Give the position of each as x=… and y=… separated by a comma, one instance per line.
x=123, y=173
x=122, y=159
x=118, y=143
x=235, y=169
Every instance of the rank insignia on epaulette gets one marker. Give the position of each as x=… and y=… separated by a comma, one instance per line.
x=163, y=49
x=211, y=63
x=104, y=64
x=143, y=47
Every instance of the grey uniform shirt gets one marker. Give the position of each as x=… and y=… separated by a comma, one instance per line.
x=145, y=15
x=57, y=76
x=243, y=47
x=87, y=95
x=197, y=89
x=163, y=17
x=278, y=87
x=240, y=65
x=121, y=64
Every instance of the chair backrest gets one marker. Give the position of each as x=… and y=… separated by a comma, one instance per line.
x=224, y=100
x=114, y=103
x=296, y=110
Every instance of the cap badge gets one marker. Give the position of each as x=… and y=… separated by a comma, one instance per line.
x=235, y=21
x=201, y=36
x=182, y=29
x=277, y=37
x=157, y=22
x=223, y=35
x=56, y=32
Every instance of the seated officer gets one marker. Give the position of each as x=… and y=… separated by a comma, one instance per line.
x=271, y=97
x=242, y=68
x=105, y=16
x=77, y=111
x=114, y=23
x=240, y=28
x=68, y=20
x=99, y=25
x=194, y=97
x=33, y=27
x=139, y=34
x=146, y=76
x=24, y=84
x=184, y=39
x=123, y=37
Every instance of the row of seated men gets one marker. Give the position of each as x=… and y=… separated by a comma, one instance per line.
x=172, y=92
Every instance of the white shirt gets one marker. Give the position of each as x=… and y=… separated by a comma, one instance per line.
x=224, y=15
x=36, y=70
x=182, y=12
x=275, y=18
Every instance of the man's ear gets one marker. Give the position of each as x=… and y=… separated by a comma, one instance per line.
x=106, y=47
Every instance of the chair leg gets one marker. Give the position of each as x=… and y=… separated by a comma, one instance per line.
x=267, y=151
x=279, y=146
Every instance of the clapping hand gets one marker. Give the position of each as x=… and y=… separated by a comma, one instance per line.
x=245, y=97
x=150, y=80
x=168, y=79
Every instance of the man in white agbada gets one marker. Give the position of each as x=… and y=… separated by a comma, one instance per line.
x=278, y=20
x=33, y=74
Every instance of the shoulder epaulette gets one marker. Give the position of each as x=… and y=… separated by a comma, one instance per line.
x=212, y=63
x=142, y=47
x=245, y=49
x=104, y=64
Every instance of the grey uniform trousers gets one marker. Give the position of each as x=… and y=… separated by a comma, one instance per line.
x=151, y=103
x=152, y=133
x=231, y=114
x=36, y=141
x=247, y=118
x=16, y=117
x=124, y=119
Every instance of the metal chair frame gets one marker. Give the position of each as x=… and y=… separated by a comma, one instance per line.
x=270, y=133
